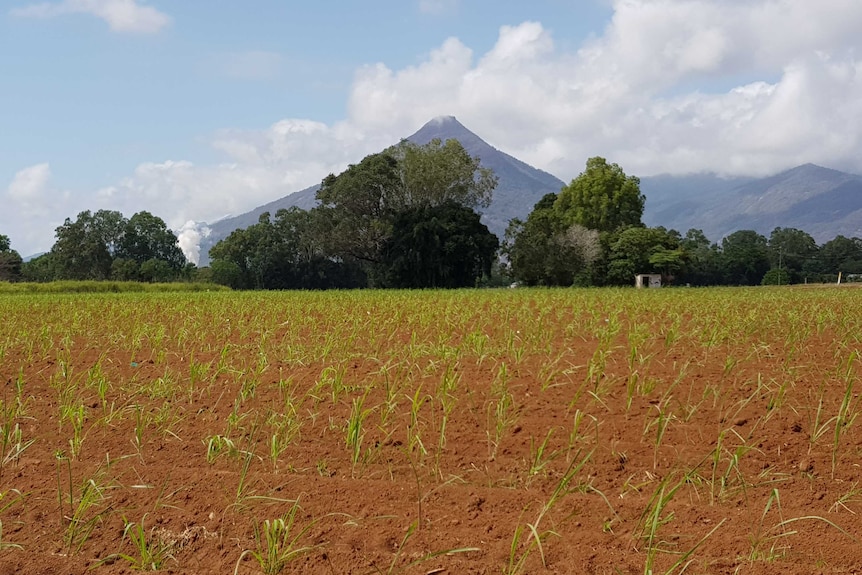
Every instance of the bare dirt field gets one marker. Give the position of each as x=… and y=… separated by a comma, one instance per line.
x=514, y=431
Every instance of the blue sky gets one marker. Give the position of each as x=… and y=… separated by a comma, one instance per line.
x=201, y=108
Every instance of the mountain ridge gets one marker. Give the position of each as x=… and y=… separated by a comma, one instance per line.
x=821, y=201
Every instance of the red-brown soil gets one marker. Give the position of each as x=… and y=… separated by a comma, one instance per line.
x=721, y=405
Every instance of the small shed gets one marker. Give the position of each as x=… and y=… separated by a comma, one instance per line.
x=648, y=280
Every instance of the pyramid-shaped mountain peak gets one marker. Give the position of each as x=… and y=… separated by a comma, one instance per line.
x=448, y=127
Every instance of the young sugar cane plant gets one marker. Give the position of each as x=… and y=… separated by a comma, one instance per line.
x=848, y=410
x=151, y=552
x=501, y=411
x=356, y=430
x=532, y=536
x=655, y=516
x=771, y=543
x=87, y=510
x=278, y=542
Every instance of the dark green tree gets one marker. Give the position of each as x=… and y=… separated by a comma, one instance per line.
x=776, y=277
x=358, y=207
x=10, y=261
x=40, y=269
x=744, y=258
x=284, y=253
x=794, y=251
x=246, y=252
x=84, y=248
x=529, y=246
x=438, y=246
x=602, y=198
x=703, y=267
x=841, y=254
x=104, y=244
x=157, y=270
x=125, y=270
x=544, y=251
x=227, y=273
x=146, y=237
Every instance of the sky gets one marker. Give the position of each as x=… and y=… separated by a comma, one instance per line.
x=198, y=109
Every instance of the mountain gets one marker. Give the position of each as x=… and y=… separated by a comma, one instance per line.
x=821, y=201
x=520, y=186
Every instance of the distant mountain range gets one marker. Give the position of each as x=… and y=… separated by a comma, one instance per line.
x=821, y=201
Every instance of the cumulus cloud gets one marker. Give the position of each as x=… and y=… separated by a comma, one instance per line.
x=31, y=208
x=30, y=184
x=120, y=15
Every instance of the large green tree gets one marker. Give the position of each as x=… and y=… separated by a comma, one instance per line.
x=281, y=253
x=39, y=269
x=438, y=246
x=441, y=172
x=602, y=198
x=358, y=207
x=638, y=250
x=841, y=254
x=10, y=261
x=744, y=257
x=703, y=267
x=146, y=237
x=792, y=250
x=84, y=247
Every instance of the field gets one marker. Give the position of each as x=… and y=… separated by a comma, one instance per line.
x=507, y=431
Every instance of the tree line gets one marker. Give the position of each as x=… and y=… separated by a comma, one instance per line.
x=591, y=234
x=104, y=245
x=407, y=218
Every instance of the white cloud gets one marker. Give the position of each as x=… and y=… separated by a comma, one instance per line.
x=31, y=208
x=120, y=15
x=30, y=184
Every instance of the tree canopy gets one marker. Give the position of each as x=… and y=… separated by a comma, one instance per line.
x=10, y=261
x=602, y=198
x=745, y=257
x=438, y=246
x=284, y=253
x=105, y=245
x=544, y=251
x=441, y=172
